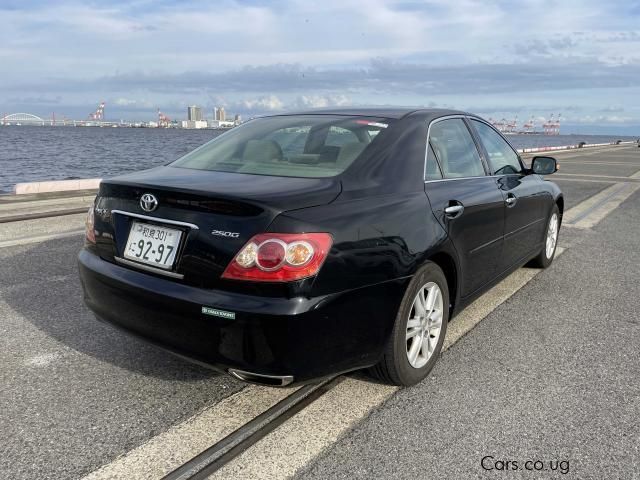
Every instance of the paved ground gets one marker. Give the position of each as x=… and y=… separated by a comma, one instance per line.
x=551, y=375
x=76, y=394
x=576, y=192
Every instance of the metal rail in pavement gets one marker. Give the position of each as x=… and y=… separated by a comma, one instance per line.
x=222, y=452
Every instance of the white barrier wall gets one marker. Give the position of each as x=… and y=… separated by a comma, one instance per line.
x=569, y=147
x=57, y=186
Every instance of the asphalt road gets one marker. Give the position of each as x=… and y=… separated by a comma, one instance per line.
x=576, y=192
x=553, y=375
x=77, y=393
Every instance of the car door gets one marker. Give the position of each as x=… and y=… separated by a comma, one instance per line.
x=465, y=200
x=524, y=199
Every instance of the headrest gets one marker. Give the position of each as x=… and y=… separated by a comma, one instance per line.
x=262, y=151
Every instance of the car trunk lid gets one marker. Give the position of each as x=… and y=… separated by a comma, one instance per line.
x=217, y=213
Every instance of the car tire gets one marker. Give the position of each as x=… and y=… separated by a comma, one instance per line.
x=400, y=364
x=548, y=252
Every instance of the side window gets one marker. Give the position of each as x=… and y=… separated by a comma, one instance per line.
x=337, y=137
x=502, y=158
x=432, y=170
x=455, y=149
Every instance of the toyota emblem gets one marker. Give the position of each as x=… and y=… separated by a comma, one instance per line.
x=148, y=202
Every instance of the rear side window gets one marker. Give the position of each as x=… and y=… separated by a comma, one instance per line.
x=289, y=146
x=432, y=170
x=455, y=149
x=502, y=158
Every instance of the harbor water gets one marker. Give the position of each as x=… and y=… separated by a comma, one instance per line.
x=33, y=153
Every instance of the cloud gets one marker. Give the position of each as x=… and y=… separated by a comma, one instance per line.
x=602, y=119
x=256, y=56
x=125, y=102
x=37, y=100
x=321, y=101
x=612, y=109
x=274, y=104
x=382, y=75
x=262, y=104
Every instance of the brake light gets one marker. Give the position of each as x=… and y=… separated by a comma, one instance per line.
x=280, y=257
x=90, y=232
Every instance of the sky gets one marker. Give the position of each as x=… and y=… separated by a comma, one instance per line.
x=580, y=59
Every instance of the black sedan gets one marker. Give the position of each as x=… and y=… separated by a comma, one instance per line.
x=303, y=245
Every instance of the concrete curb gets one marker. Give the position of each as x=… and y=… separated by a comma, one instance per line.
x=57, y=186
x=571, y=147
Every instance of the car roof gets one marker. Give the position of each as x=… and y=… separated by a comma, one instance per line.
x=385, y=112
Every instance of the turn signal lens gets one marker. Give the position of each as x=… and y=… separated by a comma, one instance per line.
x=280, y=257
x=299, y=253
x=90, y=232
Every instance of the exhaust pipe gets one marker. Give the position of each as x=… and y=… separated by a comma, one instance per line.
x=269, y=380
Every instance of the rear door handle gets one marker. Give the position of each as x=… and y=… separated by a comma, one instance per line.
x=453, y=211
x=511, y=200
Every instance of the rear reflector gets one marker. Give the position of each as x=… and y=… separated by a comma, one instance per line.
x=280, y=257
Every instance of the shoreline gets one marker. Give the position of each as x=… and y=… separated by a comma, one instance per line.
x=73, y=185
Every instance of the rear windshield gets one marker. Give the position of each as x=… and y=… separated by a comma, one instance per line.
x=288, y=146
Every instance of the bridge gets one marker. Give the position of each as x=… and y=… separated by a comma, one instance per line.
x=24, y=119
x=31, y=119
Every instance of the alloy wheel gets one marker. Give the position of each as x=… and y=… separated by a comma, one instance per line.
x=552, y=235
x=424, y=324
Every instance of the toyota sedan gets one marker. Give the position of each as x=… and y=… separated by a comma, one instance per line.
x=304, y=245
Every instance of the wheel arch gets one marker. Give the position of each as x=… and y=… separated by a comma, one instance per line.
x=560, y=204
x=449, y=267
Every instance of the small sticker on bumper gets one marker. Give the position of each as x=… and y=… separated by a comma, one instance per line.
x=218, y=313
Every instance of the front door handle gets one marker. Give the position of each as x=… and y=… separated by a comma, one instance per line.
x=453, y=211
x=511, y=200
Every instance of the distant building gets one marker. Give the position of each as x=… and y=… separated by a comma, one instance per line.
x=237, y=119
x=194, y=114
x=220, y=124
x=194, y=124
x=219, y=114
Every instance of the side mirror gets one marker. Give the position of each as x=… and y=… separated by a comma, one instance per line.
x=544, y=165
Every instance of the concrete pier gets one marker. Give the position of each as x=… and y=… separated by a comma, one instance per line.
x=546, y=364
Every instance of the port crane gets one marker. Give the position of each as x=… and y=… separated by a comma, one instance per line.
x=163, y=120
x=552, y=127
x=99, y=113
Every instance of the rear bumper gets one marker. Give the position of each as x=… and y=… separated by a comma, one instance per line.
x=282, y=337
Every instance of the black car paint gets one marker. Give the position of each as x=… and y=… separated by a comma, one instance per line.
x=386, y=222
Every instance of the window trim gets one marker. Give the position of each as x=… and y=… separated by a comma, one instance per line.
x=479, y=149
x=435, y=157
x=523, y=168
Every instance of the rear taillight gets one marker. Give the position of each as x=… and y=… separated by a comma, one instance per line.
x=280, y=257
x=90, y=232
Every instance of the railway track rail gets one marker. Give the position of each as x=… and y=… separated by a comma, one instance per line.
x=219, y=454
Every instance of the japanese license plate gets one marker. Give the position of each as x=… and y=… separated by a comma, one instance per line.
x=152, y=245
